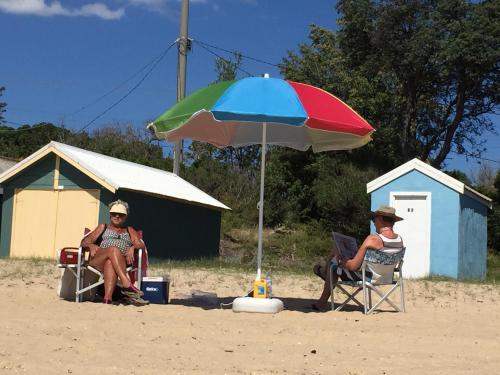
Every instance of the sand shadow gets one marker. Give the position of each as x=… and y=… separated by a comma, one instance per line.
x=303, y=305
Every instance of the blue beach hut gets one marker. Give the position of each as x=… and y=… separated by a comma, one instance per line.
x=445, y=221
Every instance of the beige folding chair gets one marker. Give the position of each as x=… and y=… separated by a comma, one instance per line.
x=76, y=260
x=390, y=282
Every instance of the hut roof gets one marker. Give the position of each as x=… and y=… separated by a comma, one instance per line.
x=426, y=169
x=114, y=174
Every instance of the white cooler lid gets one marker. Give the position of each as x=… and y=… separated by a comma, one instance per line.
x=155, y=278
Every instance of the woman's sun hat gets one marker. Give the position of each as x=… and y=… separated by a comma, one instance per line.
x=118, y=207
x=386, y=211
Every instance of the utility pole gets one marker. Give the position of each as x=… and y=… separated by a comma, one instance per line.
x=183, y=45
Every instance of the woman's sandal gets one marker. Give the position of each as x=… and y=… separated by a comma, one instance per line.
x=132, y=291
x=107, y=301
x=136, y=301
x=317, y=271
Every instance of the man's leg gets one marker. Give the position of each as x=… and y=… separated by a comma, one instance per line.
x=325, y=294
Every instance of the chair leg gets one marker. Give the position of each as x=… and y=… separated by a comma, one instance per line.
x=78, y=282
x=139, y=271
x=350, y=297
x=365, y=295
x=383, y=297
x=331, y=287
x=402, y=292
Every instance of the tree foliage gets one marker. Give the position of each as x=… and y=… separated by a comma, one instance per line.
x=425, y=73
x=122, y=142
x=20, y=142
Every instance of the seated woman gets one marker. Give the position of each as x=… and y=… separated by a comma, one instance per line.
x=385, y=240
x=111, y=249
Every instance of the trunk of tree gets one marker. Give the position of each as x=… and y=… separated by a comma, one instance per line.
x=408, y=136
x=452, y=128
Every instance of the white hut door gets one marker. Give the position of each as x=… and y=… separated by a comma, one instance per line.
x=414, y=208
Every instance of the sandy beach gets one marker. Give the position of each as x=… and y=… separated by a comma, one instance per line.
x=449, y=328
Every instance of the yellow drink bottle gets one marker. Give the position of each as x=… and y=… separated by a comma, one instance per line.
x=260, y=288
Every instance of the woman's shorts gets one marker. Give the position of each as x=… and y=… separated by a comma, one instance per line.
x=346, y=275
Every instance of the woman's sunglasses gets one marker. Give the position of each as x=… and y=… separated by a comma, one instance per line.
x=117, y=214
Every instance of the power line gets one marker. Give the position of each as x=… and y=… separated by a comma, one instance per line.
x=486, y=159
x=159, y=57
x=129, y=92
x=220, y=57
x=225, y=50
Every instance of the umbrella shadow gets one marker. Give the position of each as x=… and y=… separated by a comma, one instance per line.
x=303, y=305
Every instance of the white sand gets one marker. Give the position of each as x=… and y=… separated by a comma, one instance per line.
x=449, y=328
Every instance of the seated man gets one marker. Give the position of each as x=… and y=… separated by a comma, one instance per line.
x=385, y=239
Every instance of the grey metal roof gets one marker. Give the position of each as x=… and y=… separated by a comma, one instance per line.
x=116, y=174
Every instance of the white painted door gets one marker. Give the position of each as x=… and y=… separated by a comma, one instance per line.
x=414, y=208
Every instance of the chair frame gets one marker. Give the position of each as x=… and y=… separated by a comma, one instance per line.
x=366, y=286
x=83, y=265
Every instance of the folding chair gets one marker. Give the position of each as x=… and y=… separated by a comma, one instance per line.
x=76, y=261
x=384, y=287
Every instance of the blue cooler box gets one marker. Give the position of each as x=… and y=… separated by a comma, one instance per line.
x=155, y=289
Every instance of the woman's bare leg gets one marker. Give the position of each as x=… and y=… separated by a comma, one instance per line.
x=110, y=279
x=117, y=260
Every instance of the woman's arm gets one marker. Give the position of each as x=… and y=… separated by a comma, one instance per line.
x=90, y=239
x=371, y=242
x=136, y=244
x=134, y=237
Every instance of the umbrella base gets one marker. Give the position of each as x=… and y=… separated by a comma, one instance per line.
x=257, y=305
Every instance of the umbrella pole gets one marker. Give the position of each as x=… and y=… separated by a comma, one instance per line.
x=261, y=201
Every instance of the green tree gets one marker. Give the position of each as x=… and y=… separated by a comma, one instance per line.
x=289, y=197
x=460, y=176
x=123, y=142
x=425, y=73
x=226, y=69
x=438, y=61
x=321, y=63
x=21, y=142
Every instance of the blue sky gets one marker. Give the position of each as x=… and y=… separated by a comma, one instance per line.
x=61, y=56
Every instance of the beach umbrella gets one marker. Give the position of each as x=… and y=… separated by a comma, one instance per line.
x=267, y=111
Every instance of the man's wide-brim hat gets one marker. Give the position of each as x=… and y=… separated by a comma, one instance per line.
x=386, y=211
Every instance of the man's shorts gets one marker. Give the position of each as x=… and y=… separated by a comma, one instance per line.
x=346, y=275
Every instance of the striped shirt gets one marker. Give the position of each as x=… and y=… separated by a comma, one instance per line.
x=382, y=273
x=120, y=240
